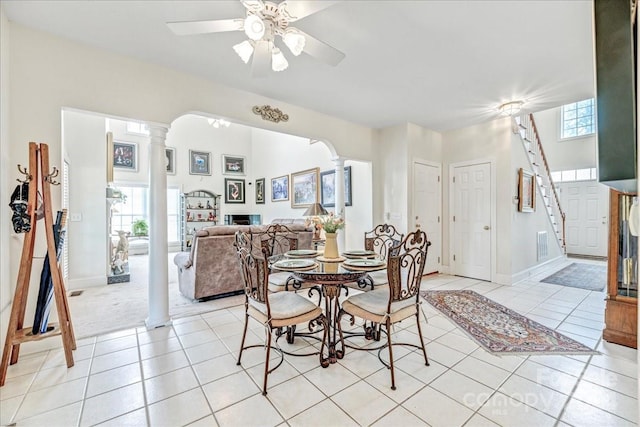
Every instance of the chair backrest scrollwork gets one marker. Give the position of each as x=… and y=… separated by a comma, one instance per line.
x=382, y=239
x=405, y=266
x=276, y=240
x=255, y=270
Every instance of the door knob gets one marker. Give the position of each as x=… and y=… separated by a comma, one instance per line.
x=486, y=227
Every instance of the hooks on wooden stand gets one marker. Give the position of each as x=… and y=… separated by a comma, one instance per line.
x=53, y=174
x=26, y=173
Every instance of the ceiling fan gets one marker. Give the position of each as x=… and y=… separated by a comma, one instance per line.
x=264, y=21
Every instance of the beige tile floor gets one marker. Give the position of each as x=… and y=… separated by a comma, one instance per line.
x=186, y=375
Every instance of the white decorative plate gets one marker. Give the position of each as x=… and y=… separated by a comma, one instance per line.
x=359, y=253
x=294, y=263
x=302, y=253
x=364, y=263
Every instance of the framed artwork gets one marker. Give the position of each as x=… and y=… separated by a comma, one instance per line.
x=260, y=191
x=280, y=188
x=170, y=152
x=199, y=163
x=233, y=190
x=304, y=188
x=125, y=155
x=526, y=191
x=233, y=165
x=328, y=184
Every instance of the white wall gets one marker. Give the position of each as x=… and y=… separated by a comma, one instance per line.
x=486, y=141
x=391, y=179
x=526, y=225
x=84, y=137
x=574, y=153
x=6, y=185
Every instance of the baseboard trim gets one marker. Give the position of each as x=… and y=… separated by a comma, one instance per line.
x=87, y=282
x=532, y=271
x=502, y=279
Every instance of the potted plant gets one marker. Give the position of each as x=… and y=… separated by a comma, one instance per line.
x=139, y=227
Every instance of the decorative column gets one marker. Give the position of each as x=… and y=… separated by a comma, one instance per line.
x=339, y=198
x=158, y=246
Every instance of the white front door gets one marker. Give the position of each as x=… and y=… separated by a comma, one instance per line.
x=471, y=221
x=427, y=208
x=586, y=205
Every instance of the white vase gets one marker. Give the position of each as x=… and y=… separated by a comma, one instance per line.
x=330, y=246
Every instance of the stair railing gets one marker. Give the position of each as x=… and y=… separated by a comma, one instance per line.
x=533, y=145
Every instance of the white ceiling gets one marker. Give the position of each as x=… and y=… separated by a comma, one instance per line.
x=439, y=64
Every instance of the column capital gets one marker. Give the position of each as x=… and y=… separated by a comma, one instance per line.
x=157, y=133
x=338, y=161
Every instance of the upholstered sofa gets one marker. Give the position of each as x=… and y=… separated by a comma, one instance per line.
x=211, y=268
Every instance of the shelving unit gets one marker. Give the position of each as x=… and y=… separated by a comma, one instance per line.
x=200, y=208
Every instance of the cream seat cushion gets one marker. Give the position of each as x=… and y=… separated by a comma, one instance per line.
x=277, y=282
x=287, y=308
x=373, y=306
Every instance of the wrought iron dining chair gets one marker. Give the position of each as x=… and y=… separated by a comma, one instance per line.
x=273, y=310
x=276, y=241
x=397, y=302
x=380, y=240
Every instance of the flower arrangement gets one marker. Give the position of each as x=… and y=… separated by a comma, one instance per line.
x=330, y=223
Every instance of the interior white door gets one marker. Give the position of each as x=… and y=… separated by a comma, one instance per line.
x=427, y=203
x=471, y=221
x=586, y=205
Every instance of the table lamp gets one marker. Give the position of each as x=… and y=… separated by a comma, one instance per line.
x=315, y=210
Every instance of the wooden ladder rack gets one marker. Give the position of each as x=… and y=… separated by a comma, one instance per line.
x=37, y=174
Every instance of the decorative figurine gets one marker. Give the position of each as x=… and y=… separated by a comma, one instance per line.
x=209, y=205
x=211, y=217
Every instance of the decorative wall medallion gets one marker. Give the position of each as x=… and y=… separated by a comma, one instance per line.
x=269, y=113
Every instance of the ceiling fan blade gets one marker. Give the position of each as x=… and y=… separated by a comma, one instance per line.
x=187, y=28
x=298, y=9
x=261, y=63
x=322, y=51
x=253, y=5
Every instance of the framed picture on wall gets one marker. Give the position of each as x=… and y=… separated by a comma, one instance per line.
x=233, y=165
x=170, y=153
x=304, y=188
x=260, y=191
x=125, y=155
x=280, y=188
x=199, y=163
x=526, y=191
x=327, y=188
x=234, y=190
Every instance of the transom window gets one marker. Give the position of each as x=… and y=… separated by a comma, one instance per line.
x=574, y=175
x=577, y=119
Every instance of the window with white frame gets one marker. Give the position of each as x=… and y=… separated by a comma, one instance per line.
x=586, y=174
x=577, y=119
x=137, y=128
x=136, y=207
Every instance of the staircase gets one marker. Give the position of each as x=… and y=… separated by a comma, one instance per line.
x=526, y=127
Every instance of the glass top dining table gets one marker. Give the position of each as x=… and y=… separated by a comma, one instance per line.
x=329, y=275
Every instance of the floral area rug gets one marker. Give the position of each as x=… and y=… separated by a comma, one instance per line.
x=499, y=329
x=580, y=275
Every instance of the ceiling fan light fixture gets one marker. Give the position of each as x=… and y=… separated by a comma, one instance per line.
x=294, y=41
x=278, y=61
x=510, y=108
x=254, y=28
x=244, y=50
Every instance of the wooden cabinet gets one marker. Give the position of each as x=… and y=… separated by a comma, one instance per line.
x=621, y=312
x=200, y=208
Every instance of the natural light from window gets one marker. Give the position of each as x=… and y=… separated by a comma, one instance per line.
x=577, y=119
x=135, y=207
x=574, y=175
